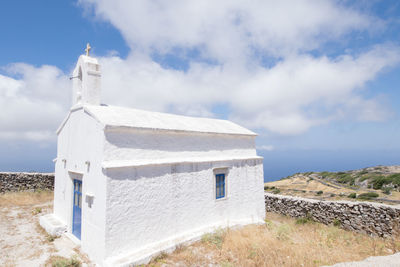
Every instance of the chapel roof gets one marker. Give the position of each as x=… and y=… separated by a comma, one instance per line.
x=113, y=116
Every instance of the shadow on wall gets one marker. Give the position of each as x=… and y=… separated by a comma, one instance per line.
x=147, y=139
x=151, y=171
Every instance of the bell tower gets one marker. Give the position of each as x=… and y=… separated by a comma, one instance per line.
x=86, y=88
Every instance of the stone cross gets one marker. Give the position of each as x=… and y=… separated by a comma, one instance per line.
x=88, y=47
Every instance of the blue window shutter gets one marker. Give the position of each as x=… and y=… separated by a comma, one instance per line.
x=220, y=185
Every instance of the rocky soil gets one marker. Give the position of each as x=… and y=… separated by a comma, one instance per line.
x=24, y=243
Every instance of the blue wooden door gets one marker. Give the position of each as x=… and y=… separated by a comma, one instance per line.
x=77, y=209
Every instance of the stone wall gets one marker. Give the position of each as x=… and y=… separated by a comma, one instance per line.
x=22, y=181
x=371, y=218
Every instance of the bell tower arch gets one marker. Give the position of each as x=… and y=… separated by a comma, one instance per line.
x=86, y=81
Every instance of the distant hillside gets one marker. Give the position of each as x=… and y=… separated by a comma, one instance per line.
x=380, y=183
x=379, y=177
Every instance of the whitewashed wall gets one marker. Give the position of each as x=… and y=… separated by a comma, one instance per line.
x=142, y=144
x=157, y=205
x=81, y=140
x=152, y=205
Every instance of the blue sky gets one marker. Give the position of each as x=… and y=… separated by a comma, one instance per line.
x=318, y=80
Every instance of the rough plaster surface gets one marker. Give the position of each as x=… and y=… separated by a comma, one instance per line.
x=143, y=147
x=52, y=225
x=367, y=217
x=161, y=202
x=86, y=81
x=79, y=156
x=160, y=205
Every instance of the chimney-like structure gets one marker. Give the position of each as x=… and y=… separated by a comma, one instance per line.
x=86, y=81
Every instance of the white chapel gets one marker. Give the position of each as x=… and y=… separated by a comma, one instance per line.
x=131, y=183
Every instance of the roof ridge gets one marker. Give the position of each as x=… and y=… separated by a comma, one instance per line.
x=124, y=117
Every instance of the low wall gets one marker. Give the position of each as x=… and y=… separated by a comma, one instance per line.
x=371, y=218
x=22, y=181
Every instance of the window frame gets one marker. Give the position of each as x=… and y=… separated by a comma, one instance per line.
x=220, y=191
x=224, y=172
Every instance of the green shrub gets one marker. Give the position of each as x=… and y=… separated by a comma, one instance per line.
x=227, y=264
x=302, y=220
x=160, y=257
x=367, y=196
x=276, y=191
x=320, y=192
x=266, y=187
x=327, y=174
x=395, y=178
x=338, y=176
x=283, y=231
x=51, y=238
x=323, y=174
x=363, y=178
x=378, y=181
x=345, y=178
x=268, y=223
x=336, y=223
x=387, y=190
x=352, y=195
x=64, y=262
x=36, y=210
x=216, y=238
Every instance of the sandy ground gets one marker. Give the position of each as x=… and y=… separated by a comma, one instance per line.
x=24, y=243
x=377, y=261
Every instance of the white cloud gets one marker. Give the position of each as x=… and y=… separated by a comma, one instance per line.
x=33, y=105
x=298, y=91
x=289, y=98
x=266, y=147
x=233, y=34
x=230, y=29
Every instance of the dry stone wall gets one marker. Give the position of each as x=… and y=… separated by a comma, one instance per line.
x=22, y=181
x=371, y=218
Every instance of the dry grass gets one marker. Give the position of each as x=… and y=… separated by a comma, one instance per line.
x=57, y=261
x=83, y=257
x=25, y=198
x=281, y=242
x=44, y=236
x=9, y=264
